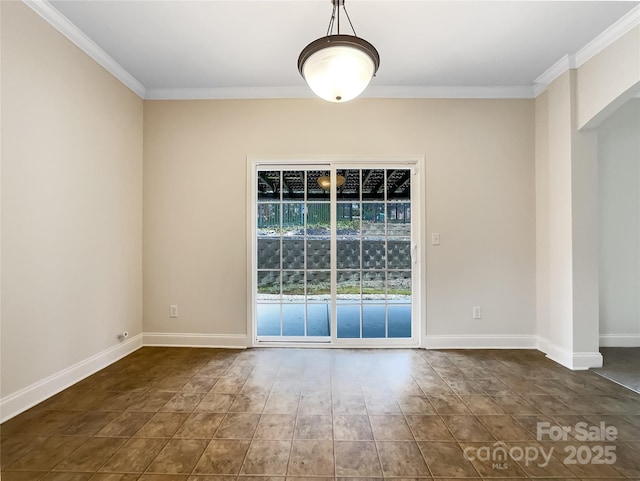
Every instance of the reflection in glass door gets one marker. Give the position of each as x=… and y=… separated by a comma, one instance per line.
x=373, y=235
x=293, y=256
x=366, y=292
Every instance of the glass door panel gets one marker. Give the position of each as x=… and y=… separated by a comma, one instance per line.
x=293, y=256
x=374, y=298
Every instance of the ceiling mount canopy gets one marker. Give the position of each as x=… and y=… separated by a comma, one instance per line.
x=338, y=67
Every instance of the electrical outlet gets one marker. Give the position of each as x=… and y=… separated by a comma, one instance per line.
x=477, y=312
x=173, y=311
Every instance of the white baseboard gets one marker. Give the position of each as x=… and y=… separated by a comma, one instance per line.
x=586, y=360
x=620, y=340
x=228, y=341
x=576, y=361
x=559, y=354
x=25, y=398
x=543, y=345
x=481, y=342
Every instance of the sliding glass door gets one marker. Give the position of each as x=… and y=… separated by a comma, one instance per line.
x=334, y=252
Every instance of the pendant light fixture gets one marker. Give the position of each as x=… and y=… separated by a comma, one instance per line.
x=338, y=67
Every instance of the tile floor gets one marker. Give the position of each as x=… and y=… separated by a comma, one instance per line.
x=169, y=414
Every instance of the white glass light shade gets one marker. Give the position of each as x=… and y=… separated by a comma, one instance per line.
x=338, y=74
x=338, y=67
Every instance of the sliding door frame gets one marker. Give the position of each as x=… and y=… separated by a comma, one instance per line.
x=418, y=244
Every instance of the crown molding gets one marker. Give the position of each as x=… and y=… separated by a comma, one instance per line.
x=452, y=92
x=608, y=37
x=508, y=92
x=541, y=83
x=228, y=93
x=590, y=50
x=84, y=43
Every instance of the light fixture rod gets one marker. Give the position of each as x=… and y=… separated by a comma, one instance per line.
x=335, y=17
x=349, y=18
x=332, y=20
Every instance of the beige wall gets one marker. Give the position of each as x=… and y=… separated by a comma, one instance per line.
x=479, y=196
x=567, y=248
x=543, y=213
x=559, y=208
x=71, y=203
x=609, y=79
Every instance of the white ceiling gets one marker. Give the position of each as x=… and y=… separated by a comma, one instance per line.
x=250, y=48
